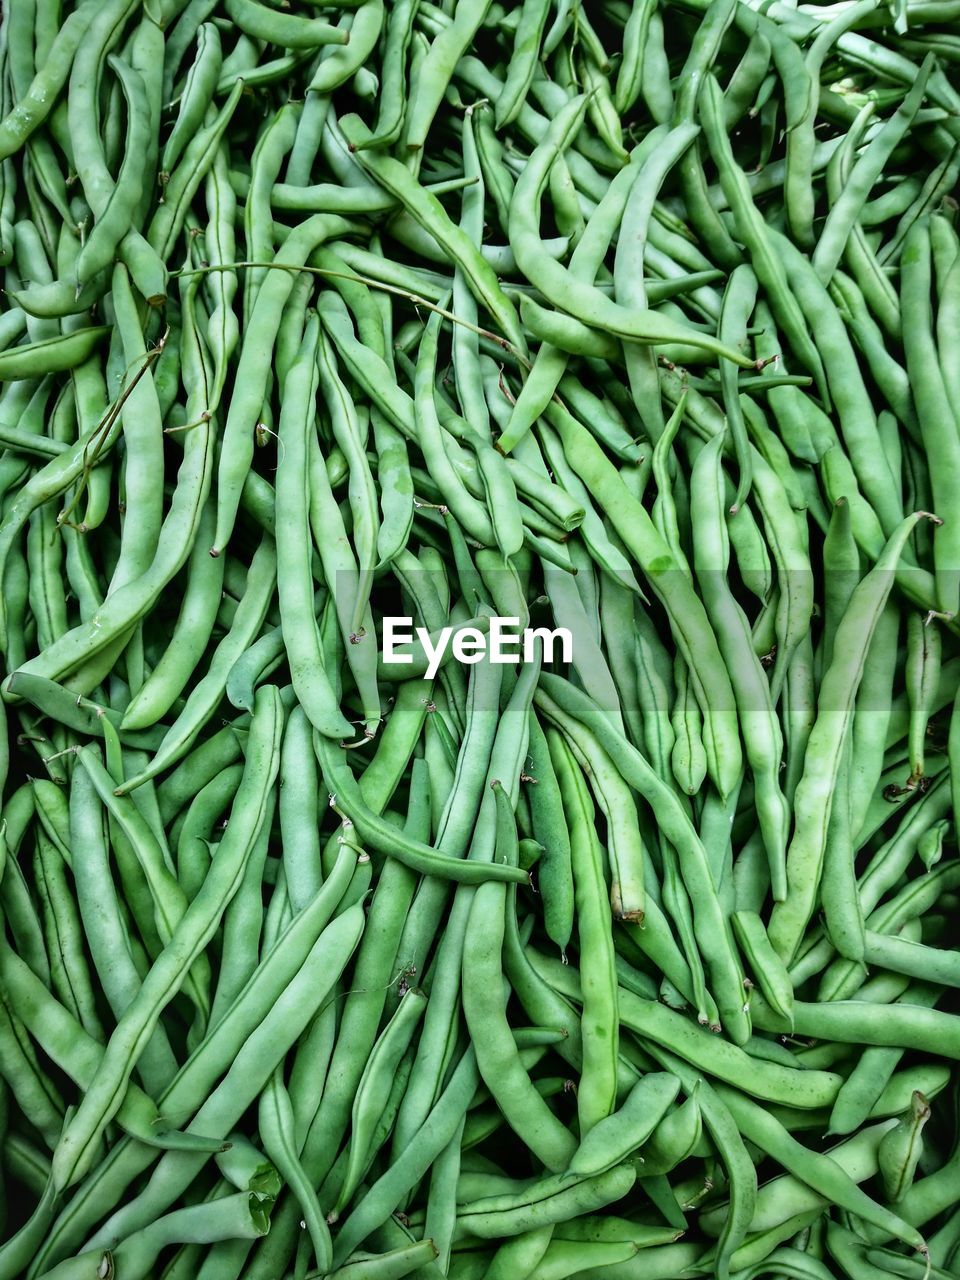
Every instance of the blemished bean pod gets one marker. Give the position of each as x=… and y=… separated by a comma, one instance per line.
x=901, y=1149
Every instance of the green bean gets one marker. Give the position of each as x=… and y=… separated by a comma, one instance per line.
x=257, y=1058
x=381, y=1065
x=712, y=938
x=361, y=491
x=748, y=77
x=428, y=212
x=584, y=301
x=289, y=31
x=703, y=51
x=190, y=636
x=76, y=1148
x=220, y=249
x=50, y=355
x=762, y=738
x=930, y=396
x=255, y=359
x=265, y=164
x=923, y=677
x=196, y=94
x=185, y=180
x=123, y=607
x=69, y=970
x=205, y=696
x=769, y=270
x=392, y=104
x=677, y=1035
x=497, y=1059
x=655, y=157
x=377, y=1205
x=675, y=1137
x=64, y=1040
x=921, y=1027
x=143, y=438
x=277, y=1130
x=597, y=1093
x=22, y=918
x=505, y=756
x=801, y=138
x=843, y=213
x=818, y=1171
x=376, y=973
x=414, y=854
x=520, y=1254
x=901, y=1149
x=767, y=967
x=437, y=68
x=825, y=746
x=392, y=1265
x=396, y=489
x=37, y=1096
x=340, y=63
x=294, y=580
x=618, y=1136
x=555, y=877
x=33, y=106
x=541, y=1204
x=114, y=221
x=630, y=78
x=727, y=988
x=255, y=1002
x=687, y=614
x=857, y=250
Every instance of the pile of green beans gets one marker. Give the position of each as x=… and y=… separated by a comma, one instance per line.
x=635, y=318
